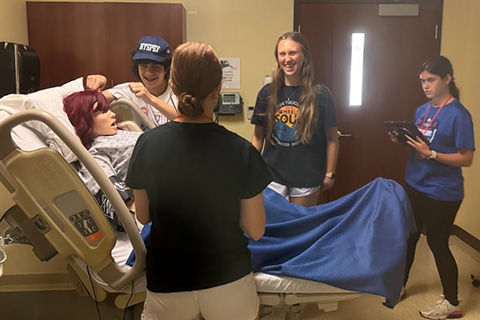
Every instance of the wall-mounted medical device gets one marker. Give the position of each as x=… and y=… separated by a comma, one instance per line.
x=229, y=103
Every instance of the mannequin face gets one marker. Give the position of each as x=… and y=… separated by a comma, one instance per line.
x=104, y=122
x=433, y=85
x=153, y=77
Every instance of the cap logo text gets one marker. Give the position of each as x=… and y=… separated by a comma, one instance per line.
x=149, y=47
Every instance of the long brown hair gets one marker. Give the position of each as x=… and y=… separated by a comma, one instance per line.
x=307, y=116
x=195, y=73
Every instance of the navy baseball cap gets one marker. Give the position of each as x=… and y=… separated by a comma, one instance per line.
x=152, y=48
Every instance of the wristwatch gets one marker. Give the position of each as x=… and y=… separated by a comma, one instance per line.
x=330, y=175
x=433, y=156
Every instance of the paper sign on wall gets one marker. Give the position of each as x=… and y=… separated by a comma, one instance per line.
x=231, y=72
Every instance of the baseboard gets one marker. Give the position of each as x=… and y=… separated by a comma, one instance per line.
x=466, y=237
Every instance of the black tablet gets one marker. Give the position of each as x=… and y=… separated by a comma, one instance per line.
x=405, y=128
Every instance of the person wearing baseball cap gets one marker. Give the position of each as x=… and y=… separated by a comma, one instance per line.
x=152, y=48
x=151, y=62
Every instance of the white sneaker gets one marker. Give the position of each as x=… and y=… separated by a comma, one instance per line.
x=442, y=309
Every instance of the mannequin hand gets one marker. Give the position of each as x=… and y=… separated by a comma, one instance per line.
x=95, y=82
x=420, y=146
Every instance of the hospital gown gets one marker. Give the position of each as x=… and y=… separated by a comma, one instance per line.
x=113, y=154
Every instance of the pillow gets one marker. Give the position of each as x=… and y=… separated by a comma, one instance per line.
x=50, y=100
x=24, y=137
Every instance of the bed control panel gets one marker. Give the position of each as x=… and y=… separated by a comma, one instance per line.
x=80, y=217
x=85, y=224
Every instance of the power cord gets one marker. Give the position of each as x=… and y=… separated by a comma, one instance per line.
x=128, y=301
x=94, y=294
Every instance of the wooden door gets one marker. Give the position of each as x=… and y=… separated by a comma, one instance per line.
x=395, y=47
x=74, y=39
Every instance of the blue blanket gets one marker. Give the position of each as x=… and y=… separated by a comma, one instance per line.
x=357, y=242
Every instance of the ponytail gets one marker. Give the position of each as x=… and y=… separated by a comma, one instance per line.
x=454, y=91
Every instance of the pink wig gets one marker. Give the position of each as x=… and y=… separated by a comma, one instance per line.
x=79, y=109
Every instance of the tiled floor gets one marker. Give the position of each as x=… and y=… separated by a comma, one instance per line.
x=423, y=289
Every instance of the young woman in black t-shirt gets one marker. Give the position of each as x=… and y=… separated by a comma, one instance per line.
x=201, y=187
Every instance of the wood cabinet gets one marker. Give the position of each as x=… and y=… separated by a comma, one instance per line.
x=75, y=39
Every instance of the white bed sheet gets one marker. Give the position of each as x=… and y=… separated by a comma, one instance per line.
x=268, y=283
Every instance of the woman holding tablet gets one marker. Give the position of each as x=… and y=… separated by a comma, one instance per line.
x=434, y=181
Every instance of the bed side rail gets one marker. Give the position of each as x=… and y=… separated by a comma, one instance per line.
x=135, y=110
x=51, y=194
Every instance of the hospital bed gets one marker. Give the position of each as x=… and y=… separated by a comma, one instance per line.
x=49, y=200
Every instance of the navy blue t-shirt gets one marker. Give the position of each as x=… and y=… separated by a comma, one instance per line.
x=293, y=163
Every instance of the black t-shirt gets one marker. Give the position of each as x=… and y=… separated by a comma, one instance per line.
x=195, y=176
x=293, y=163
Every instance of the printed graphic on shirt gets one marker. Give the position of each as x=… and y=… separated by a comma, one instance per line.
x=145, y=110
x=428, y=129
x=285, y=124
x=157, y=117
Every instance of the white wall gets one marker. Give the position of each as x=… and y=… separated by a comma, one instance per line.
x=13, y=21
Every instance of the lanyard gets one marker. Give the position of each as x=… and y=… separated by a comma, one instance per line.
x=422, y=127
x=204, y=116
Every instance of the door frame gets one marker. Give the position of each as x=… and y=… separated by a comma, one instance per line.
x=326, y=196
x=297, y=3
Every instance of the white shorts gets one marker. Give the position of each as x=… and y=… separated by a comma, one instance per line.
x=292, y=191
x=237, y=300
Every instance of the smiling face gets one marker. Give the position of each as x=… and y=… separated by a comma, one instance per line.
x=290, y=59
x=434, y=86
x=104, y=122
x=153, y=77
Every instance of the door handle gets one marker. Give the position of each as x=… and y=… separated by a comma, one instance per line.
x=340, y=134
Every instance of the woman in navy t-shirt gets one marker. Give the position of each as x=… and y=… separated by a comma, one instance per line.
x=295, y=125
